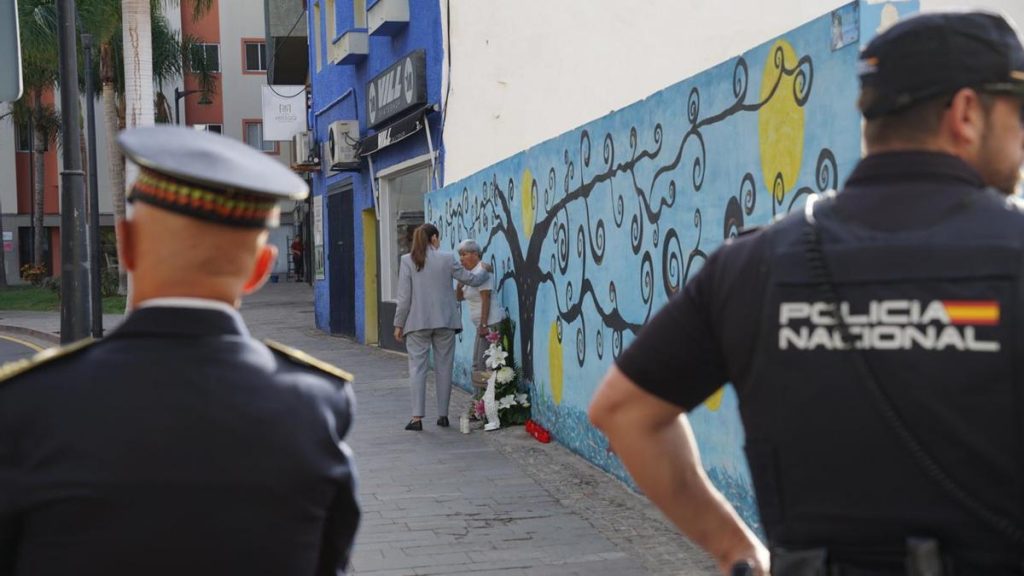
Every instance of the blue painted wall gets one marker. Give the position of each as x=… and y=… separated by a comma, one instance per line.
x=339, y=93
x=592, y=231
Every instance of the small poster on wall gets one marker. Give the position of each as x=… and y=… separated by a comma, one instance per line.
x=318, y=238
x=845, y=25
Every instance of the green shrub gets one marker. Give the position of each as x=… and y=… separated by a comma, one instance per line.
x=109, y=282
x=53, y=284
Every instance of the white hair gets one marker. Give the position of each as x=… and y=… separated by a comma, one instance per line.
x=469, y=246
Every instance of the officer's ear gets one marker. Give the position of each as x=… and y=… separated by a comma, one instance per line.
x=967, y=118
x=261, y=270
x=126, y=244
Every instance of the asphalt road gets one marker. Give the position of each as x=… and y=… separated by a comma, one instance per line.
x=14, y=348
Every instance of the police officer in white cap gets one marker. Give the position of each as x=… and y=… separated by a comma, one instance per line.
x=179, y=444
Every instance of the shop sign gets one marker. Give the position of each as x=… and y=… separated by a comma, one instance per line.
x=393, y=133
x=401, y=87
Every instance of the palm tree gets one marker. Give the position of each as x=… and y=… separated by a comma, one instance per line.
x=38, y=23
x=136, y=17
x=103, y=21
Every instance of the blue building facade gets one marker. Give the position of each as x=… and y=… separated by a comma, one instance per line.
x=386, y=152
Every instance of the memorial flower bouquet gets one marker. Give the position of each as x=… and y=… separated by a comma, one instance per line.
x=501, y=402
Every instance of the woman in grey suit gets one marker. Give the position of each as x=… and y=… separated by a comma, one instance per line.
x=428, y=317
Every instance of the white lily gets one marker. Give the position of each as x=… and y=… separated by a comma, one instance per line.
x=506, y=402
x=496, y=358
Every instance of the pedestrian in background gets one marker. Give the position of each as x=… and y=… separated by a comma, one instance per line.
x=483, y=312
x=179, y=444
x=427, y=318
x=298, y=262
x=873, y=338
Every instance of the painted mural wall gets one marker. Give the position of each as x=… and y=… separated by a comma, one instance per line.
x=592, y=231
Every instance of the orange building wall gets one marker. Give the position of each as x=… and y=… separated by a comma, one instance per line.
x=206, y=29
x=23, y=174
x=55, y=250
x=51, y=189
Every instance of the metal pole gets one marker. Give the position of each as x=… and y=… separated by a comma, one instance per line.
x=74, y=302
x=95, y=251
x=176, y=99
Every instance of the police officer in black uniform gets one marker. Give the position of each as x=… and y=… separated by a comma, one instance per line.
x=179, y=444
x=875, y=339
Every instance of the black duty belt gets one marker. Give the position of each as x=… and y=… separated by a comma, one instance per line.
x=923, y=558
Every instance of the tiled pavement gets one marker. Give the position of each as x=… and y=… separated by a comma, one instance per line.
x=440, y=502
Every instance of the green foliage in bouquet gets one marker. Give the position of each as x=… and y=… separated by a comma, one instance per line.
x=513, y=403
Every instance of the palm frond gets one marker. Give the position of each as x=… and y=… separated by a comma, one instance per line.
x=167, y=53
x=101, y=18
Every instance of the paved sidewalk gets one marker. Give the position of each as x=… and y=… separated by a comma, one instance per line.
x=440, y=502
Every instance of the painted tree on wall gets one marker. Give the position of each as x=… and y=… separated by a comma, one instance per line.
x=561, y=240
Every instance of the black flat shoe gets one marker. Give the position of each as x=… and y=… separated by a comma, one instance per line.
x=442, y=421
x=414, y=425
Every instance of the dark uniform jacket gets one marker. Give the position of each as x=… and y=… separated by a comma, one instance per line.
x=178, y=445
x=927, y=265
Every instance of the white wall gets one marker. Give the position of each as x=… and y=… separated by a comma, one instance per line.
x=242, y=94
x=106, y=194
x=528, y=70
x=8, y=182
x=1013, y=8
x=8, y=186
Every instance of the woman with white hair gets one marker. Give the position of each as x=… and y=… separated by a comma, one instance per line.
x=484, y=313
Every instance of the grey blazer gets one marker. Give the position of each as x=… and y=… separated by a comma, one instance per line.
x=426, y=299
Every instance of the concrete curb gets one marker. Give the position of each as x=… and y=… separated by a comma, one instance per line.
x=37, y=334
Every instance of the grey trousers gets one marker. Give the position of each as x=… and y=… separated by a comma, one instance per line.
x=418, y=344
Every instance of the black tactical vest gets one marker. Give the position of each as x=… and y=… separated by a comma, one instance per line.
x=936, y=313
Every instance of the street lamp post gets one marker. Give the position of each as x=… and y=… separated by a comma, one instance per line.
x=75, y=311
x=179, y=94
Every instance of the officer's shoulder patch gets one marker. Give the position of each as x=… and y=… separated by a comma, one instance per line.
x=299, y=357
x=11, y=369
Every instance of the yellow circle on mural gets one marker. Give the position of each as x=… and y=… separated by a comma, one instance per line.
x=555, y=362
x=714, y=402
x=526, y=194
x=780, y=123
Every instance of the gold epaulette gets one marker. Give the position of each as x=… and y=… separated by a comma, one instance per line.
x=300, y=357
x=11, y=369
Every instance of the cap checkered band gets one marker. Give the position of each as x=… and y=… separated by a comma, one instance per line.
x=225, y=207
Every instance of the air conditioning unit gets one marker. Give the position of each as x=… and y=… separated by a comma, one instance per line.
x=303, y=151
x=343, y=145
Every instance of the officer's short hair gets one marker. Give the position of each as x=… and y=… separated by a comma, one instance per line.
x=914, y=125
x=917, y=124
x=469, y=246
